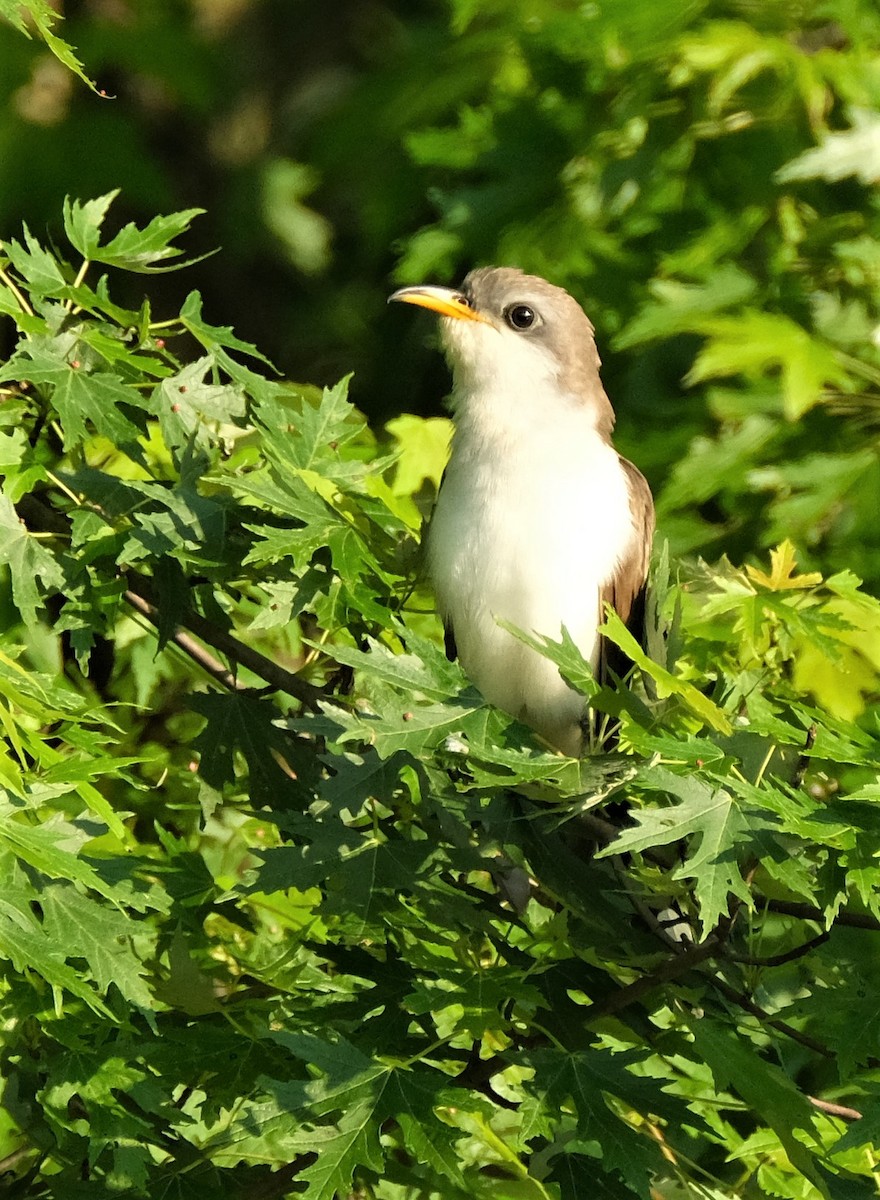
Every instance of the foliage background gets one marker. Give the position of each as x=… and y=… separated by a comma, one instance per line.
x=231, y=941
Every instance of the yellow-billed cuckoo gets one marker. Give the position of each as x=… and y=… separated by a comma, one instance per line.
x=539, y=520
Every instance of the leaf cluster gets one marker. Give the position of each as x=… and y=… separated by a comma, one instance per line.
x=289, y=910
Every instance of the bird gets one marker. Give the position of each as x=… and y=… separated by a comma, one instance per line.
x=538, y=520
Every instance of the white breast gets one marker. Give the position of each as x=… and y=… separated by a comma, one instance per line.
x=532, y=520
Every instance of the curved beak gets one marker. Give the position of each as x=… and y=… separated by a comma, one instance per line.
x=446, y=301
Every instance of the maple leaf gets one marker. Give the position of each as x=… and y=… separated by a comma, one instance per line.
x=714, y=819
x=782, y=577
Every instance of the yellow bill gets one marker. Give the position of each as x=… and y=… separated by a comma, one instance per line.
x=446, y=301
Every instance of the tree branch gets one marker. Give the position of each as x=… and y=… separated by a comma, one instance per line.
x=809, y=912
x=197, y=653
x=671, y=968
x=745, y=1001
x=777, y=960
x=836, y=1110
x=138, y=596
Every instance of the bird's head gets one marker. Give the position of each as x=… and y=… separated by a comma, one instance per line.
x=514, y=334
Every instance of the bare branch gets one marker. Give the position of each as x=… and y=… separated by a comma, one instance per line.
x=43, y=517
x=803, y=762
x=777, y=960
x=835, y=1110
x=671, y=968
x=197, y=653
x=809, y=912
x=277, y=677
x=746, y=1002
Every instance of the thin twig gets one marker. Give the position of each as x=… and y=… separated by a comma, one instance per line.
x=693, y=956
x=277, y=677
x=197, y=653
x=809, y=912
x=13, y=1159
x=835, y=1110
x=745, y=1001
x=597, y=827
x=25, y=307
x=661, y=929
x=777, y=960
x=803, y=761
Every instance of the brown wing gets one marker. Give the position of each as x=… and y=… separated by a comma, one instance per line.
x=448, y=632
x=625, y=591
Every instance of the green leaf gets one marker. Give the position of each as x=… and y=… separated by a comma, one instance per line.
x=43, y=17
x=411, y=1098
x=83, y=221
x=86, y=400
x=866, y=1131
x=32, y=952
x=52, y=848
x=678, y=307
x=403, y=724
x=572, y=665
x=667, y=683
x=715, y=817
x=766, y=1088
x=311, y=437
x=28, y=560
x=37, y=267
x=241, y=723
x=304, y=233
x=422, y=451
x=587, y=1081
x=851, y=153
x=217, y=339
x=756, y=343
x=132, y=249
x=194, y=411
x=428, y=675
x=340, y=1150
x=101, y=936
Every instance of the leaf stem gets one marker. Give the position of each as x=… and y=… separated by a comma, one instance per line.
x=80, y=276
x=81, y=273
x=6, y=278
x=423, y=1054
x=765, y=764
x=62, y=487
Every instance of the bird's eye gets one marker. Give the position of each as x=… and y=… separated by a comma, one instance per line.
x=520, y=316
